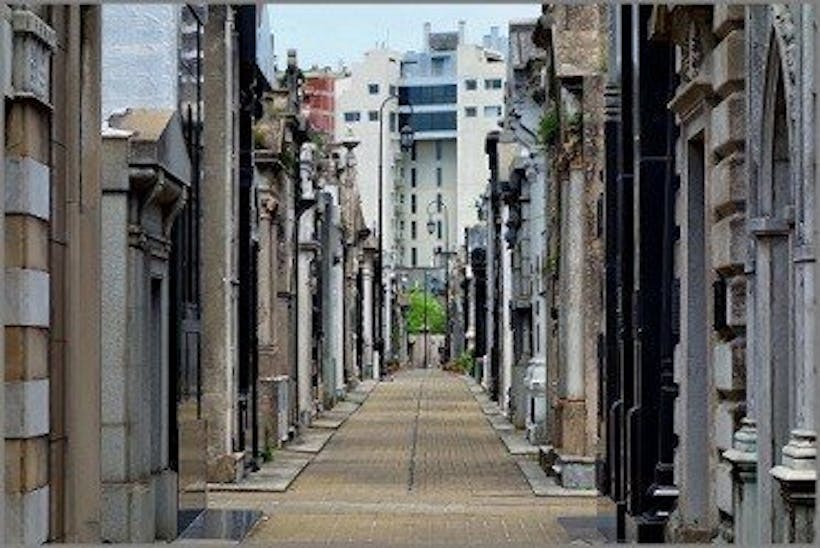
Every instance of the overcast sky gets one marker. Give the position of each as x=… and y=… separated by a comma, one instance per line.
x=324, y=34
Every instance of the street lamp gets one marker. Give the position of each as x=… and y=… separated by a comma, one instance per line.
x=406, y=142
x=431, y=228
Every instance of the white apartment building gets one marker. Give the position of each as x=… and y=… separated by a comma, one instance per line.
x=451, y=94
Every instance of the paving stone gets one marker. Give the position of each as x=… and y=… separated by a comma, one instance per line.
x=417, y=464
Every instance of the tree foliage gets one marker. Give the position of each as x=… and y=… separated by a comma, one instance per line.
x=436, y=318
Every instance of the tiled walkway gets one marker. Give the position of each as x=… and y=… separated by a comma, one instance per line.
x=417, y=464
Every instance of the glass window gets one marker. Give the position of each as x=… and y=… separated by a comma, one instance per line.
x=492, y=111
x=428, y=95
x=413, y=229
x=413, y=150
x=373, y=89
x=414, y=256
x=470, y=84
x=413, y=203
x=438, y=176
x=438, y=150
x=373, y=115
x=492, y=83
x=413, y=177
x=437, y=65
x=470, y=112
x=392, y=90
x=438, y=229
x=429, y=121
x=353, y=116
x=392, y=121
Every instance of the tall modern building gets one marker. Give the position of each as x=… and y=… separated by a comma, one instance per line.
x=451, y=94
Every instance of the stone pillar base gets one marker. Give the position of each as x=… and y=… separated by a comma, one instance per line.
x=743, y=458
x=571, y=420
x=798, y=479
x=228, y=468
x=575, y=472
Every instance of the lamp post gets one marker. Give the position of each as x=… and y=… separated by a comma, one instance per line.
x=406, y=141
x=431, y=227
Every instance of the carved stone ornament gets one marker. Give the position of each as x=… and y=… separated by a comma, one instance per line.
x=34, y=41
x=784, y=27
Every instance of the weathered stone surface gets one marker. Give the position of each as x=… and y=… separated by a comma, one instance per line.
x=27, y=302
x=26, y=242
x=728, y=185
x=26, y=517
x=729, y=243
x=27, y=133
x=726, y=422
x=27, y=187
x=736, y=303
x=26, y=353
x=728, y=362
x=726, y=17
x=27, y=409
x=113, y=447
x=728, y=64
x=723, y=487
x=729, y=124
x=26, y=464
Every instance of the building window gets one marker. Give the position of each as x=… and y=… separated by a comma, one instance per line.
x=353, y=116
x=438, y=229
x=413, y=177
x=414, y=256
x=492, y=83
x=470, y=112
x=413, y=229
x=428, y=95
x=438, y=150
x=392, y=121
x=413, y=151
x=430, y=121
x=437, y=65
x=438, y=177
x=438, y=202
x=492, y=111
x=392, y=90
x=373, y=115
x=413, y=204
x=470, y=85
x=373, y=89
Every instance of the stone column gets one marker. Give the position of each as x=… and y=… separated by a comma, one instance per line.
x=367, y=317
x=5, y=87
x=304, y=303
x=81, y=121
x=572, y=404
x=797, y=478
x=219, y=230
x=337, y=288
x=27, y=292
x=507, y=355
x=489, y=326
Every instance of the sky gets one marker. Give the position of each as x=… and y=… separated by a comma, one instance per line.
x=325, y=34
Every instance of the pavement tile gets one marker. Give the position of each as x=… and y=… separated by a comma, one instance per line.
x=417, y=465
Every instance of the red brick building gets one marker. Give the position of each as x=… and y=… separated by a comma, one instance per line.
x=319, y=104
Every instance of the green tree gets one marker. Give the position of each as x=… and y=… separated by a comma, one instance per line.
x=436, y=318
